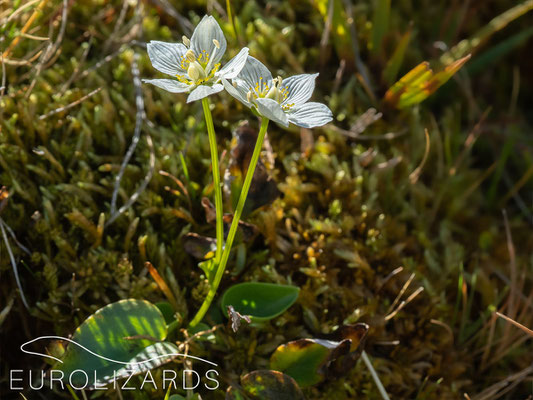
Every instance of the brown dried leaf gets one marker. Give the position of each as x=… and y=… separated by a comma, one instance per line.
x=200, y=247
x=263, y=190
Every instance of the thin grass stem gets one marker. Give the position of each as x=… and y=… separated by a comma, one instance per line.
x=375, y=376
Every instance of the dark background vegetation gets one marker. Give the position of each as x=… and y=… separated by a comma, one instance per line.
x=352, y=209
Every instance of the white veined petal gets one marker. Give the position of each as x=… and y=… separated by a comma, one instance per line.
x=203, y=91
x=166, y=57
x=239, y=92
x=170, y=85
x=311, y=115
x=202, y=39
x=272, y=110
x=300, y=88
x=234, y=66
x=253, y=71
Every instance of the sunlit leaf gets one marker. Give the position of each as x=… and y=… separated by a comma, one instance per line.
x=420, y=83
x=260, y=301
x=128, y=331
x=309, y=361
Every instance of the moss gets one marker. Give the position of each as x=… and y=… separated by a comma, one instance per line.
x=349, y=215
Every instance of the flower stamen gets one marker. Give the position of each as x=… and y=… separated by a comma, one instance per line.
x=210, y=61
x=190, y=56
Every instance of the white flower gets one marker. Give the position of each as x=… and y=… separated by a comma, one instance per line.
x=281, y=101
x=195, y=63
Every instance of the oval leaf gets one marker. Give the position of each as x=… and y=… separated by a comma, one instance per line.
x=266, y=385
x=309, y=361
x=260, y=301
x=128, y=331
x=166, y=309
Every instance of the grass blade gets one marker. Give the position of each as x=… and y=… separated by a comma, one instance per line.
x=380, y=24
x=501, y=21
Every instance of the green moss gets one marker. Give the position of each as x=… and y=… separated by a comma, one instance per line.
x=348, y=216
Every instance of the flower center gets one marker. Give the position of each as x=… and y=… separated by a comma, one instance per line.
x=277, y=92
x=200, y=69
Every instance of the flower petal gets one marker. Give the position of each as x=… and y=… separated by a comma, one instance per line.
x=166, y=57
x=253, y=72
x=300, y=88
x=202, y=39
x=234, y=66
x=239, y=92
x=311, y=115
x=170, y=85
x=272, y=110
x=203, y=91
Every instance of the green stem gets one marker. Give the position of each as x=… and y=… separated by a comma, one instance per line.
x=234, y=225
x=216, y=178
x=230, y=17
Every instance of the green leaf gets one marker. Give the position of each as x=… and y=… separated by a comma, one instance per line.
x=167, y=311
x=266, y=385
x=129, y=331
x=380, y=24
x=309, y=361
x=208, y=266
x=260, y=301
x=497, y=52
x=501, y=21
x=302, y=359
x=394, y=64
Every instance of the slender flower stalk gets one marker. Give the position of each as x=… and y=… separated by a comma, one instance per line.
x=216, y=179
x=221, y=267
